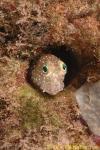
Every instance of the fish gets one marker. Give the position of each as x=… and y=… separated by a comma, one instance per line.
x=49, y=73
x=88, y=99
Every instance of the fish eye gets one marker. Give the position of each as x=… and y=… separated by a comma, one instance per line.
x=45, y=69
x=64, y=67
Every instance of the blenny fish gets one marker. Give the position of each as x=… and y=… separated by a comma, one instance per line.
x=49, y=73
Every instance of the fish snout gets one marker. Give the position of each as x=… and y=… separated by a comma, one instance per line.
x=55, y=87
x=58, y=76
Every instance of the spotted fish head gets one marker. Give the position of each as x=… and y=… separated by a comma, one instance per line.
x=49, y=73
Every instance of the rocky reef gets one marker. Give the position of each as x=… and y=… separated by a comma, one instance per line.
x=27, y=27
x=69, y=30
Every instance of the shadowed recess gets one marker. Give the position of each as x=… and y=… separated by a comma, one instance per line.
x=66, y=54
x=69, y=57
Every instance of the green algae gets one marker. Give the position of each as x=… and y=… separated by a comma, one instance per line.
x=35, y=109
x=31, y=115
x=27, y=92
x=55, y=120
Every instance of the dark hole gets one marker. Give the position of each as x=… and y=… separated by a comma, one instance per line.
x=3, y=103
x=34, y=13
x=35, y=23
x=69, y=57
x=2, y=29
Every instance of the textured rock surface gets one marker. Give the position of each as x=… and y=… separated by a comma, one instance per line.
x=88, y=98
x=30, y=119
x=26, y=27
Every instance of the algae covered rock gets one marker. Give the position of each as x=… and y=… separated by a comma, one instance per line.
x=27, y=26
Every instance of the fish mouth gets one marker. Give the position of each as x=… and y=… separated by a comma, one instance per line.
x=54, y=88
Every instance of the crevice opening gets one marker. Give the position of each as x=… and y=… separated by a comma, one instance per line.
x=69, y=57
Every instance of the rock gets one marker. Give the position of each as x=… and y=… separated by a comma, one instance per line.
x=88, y=98
x=27, y=26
